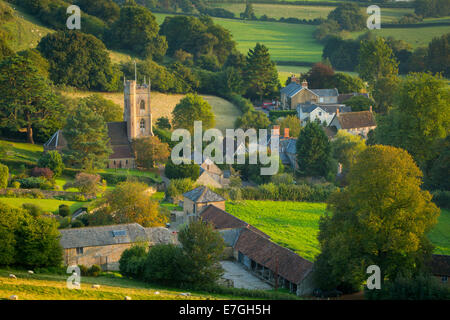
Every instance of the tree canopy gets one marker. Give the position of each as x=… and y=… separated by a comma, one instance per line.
x=192, y=108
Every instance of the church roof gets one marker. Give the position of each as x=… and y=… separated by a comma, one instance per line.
x=117, y=132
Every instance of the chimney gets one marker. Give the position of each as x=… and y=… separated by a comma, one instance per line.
x=370, y=108
x=286, y=132
x=294, y=79
x=276, y=130
x=305, y=84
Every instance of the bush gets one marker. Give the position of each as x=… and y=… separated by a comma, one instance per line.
x=76, y=224
x=53, y=161
x=31, y=183
x=64, y=210
x=163, y=264
x=131, y=263
x=15, y=184
x=85, y=182
x=32, y=209
x=181, y=171
x=42, y=172
x=179, y=186
x=4, y=175
x=83, y=270
x=94, y=270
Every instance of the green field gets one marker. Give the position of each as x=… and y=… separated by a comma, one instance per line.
x=295, y=225
x=225, y=112
x=22, y=151
x=303, y=12
x=286, y=42
x=47, y=205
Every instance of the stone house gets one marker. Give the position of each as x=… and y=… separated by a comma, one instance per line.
x=357, y=123
x=195, y=200
x=211, y=175
x=104, y=245
x=321, y=112
x=294, y=94
x=137, y=123
x=257, y=253
x=440, y=268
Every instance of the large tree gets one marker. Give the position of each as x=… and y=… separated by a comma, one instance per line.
x=419, y=118
x=319, y=76
x=313, y=152
x=349, y=16
x=150, y=151
x=260, y=74
x=345, y=148
x=252, y=119
x=137, y=30
x=376, y=60
x=78, y=59
x=438, y=55
x=192, y=108
x=381, y=219
x=87, y=139
x=109, y=110
x=26, y=98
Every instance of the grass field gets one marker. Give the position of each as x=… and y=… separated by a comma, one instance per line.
x=303, y=12
x=47, y=205
x=22, y=151
x=286, y=42
x=295, y=224
x=225, y=112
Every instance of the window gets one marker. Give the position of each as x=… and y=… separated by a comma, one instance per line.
x=80, y=250
x=320, y=113
x=142, y=125
x=321, y=99
x=119, y=233
x=142, y=108
x=444, y=279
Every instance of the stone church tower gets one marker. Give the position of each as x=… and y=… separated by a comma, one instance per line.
x=137, y=111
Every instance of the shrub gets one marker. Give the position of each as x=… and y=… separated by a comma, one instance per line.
x=179, y=186
x=181, y=171
x=163, y=264
x=85, y=182
x=76, y=224
x=64, y=210
x=131, y=263
x=94, y=270
x=83, y=270
x=15, y=184
x=32, y=209
x=53, y=161
x=47, y=185
x=4, y=175
x=31, y=183
x=42, y=172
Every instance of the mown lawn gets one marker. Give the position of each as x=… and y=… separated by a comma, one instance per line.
x=295, y=225
x=47, y=205
x=224, y=111
x=22, y=151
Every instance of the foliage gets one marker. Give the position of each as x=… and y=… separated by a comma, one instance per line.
x=163, y=264
x=131, y=263
x=42, y=172
x=438, y=55
x=26, y=98
x=349, y=16
x=30, y=183
x=319, y=76
x=37, y=60
x=79, y=60
x=33, y=209
x=179, y=186
x=345, y=148
x=343, y=54
x=431, y=8
x=107, y=10
x=163, y=123
x=252, y=120
x=260, y=74
x=202, y=247
x=87, y=139
x=346, y=83
x=381, y=219
x=439, y=167
x=192, y=108
x=314, y=152
x=137, y=30
x=292, y=123
x=359, y=103
x=180, y=171
x=249, y=12
x=109, y=110
x=85, y=182
x=130, y=203
x=282, y=178
x=4, y=176
x=64, y=210
x=53, y=161
x=150, y=151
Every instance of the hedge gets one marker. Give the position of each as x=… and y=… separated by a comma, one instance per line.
x=275, y=114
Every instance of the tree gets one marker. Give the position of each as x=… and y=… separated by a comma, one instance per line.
x=349, y=16
x=9, y=219
x=345, y=83
x=359, y=103
x=26, y=98
x=431, y=8
x=203, y=247
x=376, y=60
x=109, y=110
x=260, y=74
x=319, y=76
x=80, y=60
x=384, y=92
x=438, y=55
x=346, y=147
x=150, y=151
x=137, y=30
x=252, y=119
x=192, y=108
x=87, y=139
x=106, y=10
x=180, y=171
x=313, y=152
x=437, y=178
x=37, y=60
x=85, y=183
x=129, y=202
x=419, y=118
x=249, y=12
x=163, y=264
x=4, y=176
x=163, y=123
x=53, y=161
x=380, y=219
x=292, y=123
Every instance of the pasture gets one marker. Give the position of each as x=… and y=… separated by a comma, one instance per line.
x=47, y=205
x=295, y=225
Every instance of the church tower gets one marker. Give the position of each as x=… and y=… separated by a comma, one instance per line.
x=137, y=111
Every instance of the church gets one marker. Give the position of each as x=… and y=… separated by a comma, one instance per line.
x=137, y=123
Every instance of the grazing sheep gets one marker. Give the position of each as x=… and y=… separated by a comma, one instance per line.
x=14, y=297
x=96, y=286
x=12, y=276
x=127, y=298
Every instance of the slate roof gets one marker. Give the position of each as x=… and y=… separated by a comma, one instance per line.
x=440, y=265
x=221, y=219
x=117, y=132
x=326, y=92
x=330, y=108
x=203, y=194
x=293, y=88
x=104, y=236
x=272, y=256
x=360, y=119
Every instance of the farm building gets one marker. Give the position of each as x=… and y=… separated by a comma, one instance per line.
x=104, y=245
x=137, y=123
x=257, y=253
x=196, y=199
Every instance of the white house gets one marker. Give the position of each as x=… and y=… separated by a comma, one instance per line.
x=322, y=112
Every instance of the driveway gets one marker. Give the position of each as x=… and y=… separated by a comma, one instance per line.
x=241, y=277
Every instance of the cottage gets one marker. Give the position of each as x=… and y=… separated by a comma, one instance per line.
x=195, y=200
x=104, y=245
x=211, y=175
x=137, y=123
x=440, y=268
x=319, y=112
x=294, y=94
x=357, y=123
